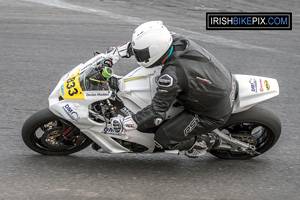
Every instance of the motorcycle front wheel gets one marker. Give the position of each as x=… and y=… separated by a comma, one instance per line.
x=46, y=133
x=256, y=126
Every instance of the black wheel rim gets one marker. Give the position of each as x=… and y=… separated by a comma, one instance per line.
x=49, y=136
x=263, y=135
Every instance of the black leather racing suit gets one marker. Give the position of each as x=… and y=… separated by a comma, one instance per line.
x=200, y=83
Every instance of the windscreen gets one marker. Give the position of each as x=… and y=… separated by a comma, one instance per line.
x=92, y=79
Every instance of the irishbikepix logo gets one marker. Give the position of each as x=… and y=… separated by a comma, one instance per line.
x=249, y=21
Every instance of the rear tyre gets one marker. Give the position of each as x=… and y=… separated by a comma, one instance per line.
x=46, y=133
x=257, y=126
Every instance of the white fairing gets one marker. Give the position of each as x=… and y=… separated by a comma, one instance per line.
x=77, y=112
x=253, y=90
x=76, y=109
x=136, y=90
x=139, y=87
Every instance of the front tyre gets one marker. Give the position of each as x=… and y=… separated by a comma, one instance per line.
x=256, y=126
x=48, y=134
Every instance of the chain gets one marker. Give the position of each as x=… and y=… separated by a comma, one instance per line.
x=245, y=138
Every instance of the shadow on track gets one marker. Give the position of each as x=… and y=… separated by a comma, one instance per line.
x=140, y=165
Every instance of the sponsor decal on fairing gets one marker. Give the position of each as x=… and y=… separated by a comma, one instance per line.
x=93, y=94
x=261, y=86
x=111, y=131
x=70, y=112
x=62, y=89
x=267, y=85
x=253, y=84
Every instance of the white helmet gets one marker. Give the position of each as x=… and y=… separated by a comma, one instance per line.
x=150, y=41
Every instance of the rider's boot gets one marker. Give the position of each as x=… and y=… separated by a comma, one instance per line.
x=203, y=143
x=184, y=145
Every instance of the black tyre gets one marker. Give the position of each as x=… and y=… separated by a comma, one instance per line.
x=257, y=126
x=48, y=134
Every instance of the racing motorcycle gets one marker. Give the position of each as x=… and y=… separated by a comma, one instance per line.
x=84, y=100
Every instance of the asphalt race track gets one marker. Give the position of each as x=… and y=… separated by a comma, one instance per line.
x=41, y=40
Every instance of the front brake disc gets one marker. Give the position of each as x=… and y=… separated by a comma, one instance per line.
x=52, y=139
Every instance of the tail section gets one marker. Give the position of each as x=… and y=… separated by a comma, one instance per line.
x=253, y=90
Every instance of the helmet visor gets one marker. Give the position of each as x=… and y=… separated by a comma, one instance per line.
x=142, y=55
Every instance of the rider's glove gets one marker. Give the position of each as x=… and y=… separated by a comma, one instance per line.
x=125, y=50
x=129, y=124
x=120, y=123
x=122, y=51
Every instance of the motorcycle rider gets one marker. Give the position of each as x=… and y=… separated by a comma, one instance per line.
x=190, y=75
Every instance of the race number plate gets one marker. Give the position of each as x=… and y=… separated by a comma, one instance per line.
x=71, y=89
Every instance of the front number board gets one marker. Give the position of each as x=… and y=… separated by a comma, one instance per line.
x=71, y=89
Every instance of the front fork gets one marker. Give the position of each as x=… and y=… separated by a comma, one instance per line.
x=232, y=144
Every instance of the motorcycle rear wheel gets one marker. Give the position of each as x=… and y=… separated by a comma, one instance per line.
x=259, y=126
x=43, y=133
